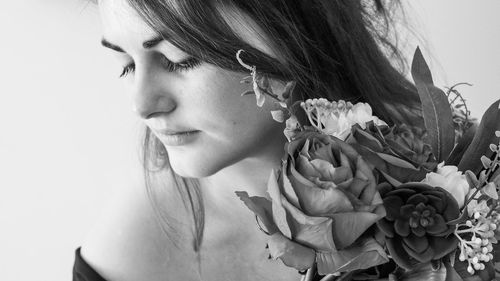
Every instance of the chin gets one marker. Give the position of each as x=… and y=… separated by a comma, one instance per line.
x=194, y=169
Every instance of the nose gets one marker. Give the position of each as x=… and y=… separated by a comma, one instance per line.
x=151, y=94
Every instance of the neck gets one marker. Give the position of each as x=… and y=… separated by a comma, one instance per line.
x=250, y=175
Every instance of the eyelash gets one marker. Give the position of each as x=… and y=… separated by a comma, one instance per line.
x=168, y=65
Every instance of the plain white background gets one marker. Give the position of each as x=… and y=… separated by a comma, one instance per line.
x=69, y=138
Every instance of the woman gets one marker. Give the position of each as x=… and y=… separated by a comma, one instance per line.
x=179, y=58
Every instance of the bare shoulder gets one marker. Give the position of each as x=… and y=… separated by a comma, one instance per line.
x=128, y=243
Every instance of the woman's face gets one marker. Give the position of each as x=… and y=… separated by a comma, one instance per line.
x=194, y=108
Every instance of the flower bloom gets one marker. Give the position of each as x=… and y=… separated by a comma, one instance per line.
x=337, y=118
x=322, y=202
x=398, y=152
x=453, y=181
x=417, y=222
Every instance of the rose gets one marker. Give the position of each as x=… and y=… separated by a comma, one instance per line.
x=398, y=152
x=418, y=224
x=323, y=201
x=449, y=178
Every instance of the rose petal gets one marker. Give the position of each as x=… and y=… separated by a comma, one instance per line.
x=325, y=153
x=344, y=162
x=262, y=208
x=317, y=201
x=279, y=213
x=314, y=232
x=305, y=168
x=330, y=173
x=288, y=191
x=292, y=254
x=348, y=227
x=325, y=170
x=370, y=191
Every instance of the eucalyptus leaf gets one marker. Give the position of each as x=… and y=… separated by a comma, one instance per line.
x=490, y=190
x=486, y=162
x=462, y=145
x=472, y=179
x=436, y=110
x=484, y=136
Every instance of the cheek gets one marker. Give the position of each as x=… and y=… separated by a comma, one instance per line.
x=217, y=95
x=228, y=117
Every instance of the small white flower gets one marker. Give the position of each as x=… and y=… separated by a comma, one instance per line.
x=337, y=118
x=450, y=179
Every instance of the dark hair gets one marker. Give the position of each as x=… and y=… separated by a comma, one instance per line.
x=336, y=49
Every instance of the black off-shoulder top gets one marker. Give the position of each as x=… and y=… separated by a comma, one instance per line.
x=82, y=270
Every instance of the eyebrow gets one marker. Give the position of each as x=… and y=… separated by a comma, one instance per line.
x=148, y=44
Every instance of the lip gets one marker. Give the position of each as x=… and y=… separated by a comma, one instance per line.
x=177, y=138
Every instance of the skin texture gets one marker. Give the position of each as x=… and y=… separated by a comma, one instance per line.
x=205, y=98
x=237, y=146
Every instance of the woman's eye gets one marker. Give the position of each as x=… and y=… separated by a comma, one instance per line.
x=170, y=66
x=185, y=65
x=127, y=69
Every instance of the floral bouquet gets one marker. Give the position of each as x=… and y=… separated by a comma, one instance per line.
x=356, y=199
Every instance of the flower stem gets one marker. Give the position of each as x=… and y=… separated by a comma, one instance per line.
x=310, y=274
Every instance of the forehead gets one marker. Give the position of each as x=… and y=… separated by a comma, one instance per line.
x=122, y=25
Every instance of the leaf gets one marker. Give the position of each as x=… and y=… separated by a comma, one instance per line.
x=472, y=179
x=363, y=255
x=486, y=162
x=349, y=226
x=490, y=190
x=451, y=273
x=493, y=147
x=496, y=178
x=480, y=144
x=250, y=92
x=436, y=109
x=462, y=145
x=278, y=115
x=396, y=161
x=278, y=211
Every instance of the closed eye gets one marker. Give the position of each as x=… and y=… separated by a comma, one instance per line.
x=127, y=69
x=168, y=65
